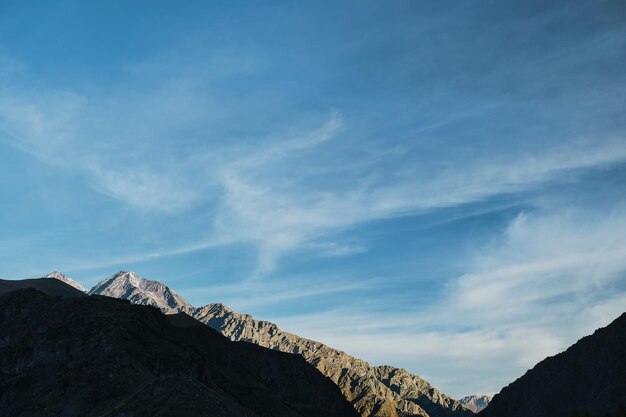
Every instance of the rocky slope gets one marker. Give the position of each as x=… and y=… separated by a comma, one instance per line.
x=372, y=390
x=129, y=286
x=411, y=389
x=64, y=278
x=588, y=379
x=476, y=403
x=74, y=355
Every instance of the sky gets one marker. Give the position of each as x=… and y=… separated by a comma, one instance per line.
x=438, y=186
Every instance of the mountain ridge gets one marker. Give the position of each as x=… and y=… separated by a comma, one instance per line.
x=361, y=384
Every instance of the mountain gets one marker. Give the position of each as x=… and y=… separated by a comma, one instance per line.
x=371, y=390
x=476, y=403
x=66, y=279
x=588, y=379
x=129, y=286
x=97, y=356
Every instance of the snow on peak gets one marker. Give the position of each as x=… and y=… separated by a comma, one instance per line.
x=130, y=286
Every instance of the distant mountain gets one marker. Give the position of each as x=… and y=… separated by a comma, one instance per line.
x=371, y=390
x=588, y=379
x=476, y=403
x=66, y=279
x=129, y=286
x=73, y=355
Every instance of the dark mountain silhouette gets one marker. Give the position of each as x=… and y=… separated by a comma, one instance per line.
x=588, y=379
x=63, y=353
x=53, y=287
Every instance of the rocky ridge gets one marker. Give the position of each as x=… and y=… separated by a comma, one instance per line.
x=373, y=391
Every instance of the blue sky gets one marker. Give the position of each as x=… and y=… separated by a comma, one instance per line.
x=433, y=185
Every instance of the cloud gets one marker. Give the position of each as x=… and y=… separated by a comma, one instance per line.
x=281, y=215
x=144, y=188
x=291, y=185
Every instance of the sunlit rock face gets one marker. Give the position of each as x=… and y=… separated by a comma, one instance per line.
x=129, y=286
x=382, y=391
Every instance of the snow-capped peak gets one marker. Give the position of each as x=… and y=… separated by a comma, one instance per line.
x=130, y=286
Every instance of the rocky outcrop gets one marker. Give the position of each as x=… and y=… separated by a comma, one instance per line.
x=476, y=403
x=98, y=356
x=64, y=278
x=588, y=379
x=129, y=286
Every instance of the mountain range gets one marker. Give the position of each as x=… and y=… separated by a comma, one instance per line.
x=373, y=391
x=163, y=356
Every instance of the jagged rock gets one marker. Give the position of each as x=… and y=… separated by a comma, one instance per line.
x=99, y=356
x=476, y=403
x=69, y=281
x=588, y=379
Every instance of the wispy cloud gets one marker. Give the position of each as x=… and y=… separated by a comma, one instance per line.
x=278, y=191
x=549, y=279
x=280, y=218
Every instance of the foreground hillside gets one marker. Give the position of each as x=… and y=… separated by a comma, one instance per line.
x=63, y=353
x=588, y=379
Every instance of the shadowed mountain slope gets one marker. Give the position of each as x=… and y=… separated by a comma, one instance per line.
x=52, y=287
x=371, y=390
x=588, y=379
x=98, y=356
